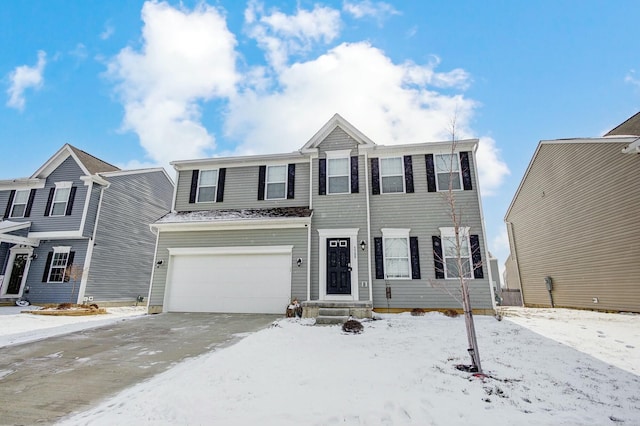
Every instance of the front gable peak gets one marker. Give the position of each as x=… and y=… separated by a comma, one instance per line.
x=89, y=164
x=336, y=121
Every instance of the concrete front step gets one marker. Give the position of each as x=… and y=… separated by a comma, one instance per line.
x=333, y=312
x=331, y=320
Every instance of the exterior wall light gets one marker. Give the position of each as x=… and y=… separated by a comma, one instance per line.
x=299, y=262
x=363, y=245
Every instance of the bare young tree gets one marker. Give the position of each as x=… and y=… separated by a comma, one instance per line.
x=457, y=254
x=73, y=273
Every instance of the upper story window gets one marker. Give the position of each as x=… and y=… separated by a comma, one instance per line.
x=19, y=203
x=338, y=175
x=392, y=175
x=207, y=186
x=276, y=181
x=60, y=199
x=448, y=171
x=59, y=263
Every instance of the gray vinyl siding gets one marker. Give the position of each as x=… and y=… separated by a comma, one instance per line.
x=4, y=257
x=241, y=190
x=92, y=211
x=122, y=258
x=233, y=238
x=45, y=292
x=335, y=211
x=575, y=219
x=424, y=213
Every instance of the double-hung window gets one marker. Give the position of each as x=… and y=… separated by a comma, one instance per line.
x=454, y=249
x=448, y=171
x=60, y=199
x=59, y=265
x=392, y=175
x=338, y=175
x=276, y=181
x=207, y=185
x=19, y=203
x=397, y=264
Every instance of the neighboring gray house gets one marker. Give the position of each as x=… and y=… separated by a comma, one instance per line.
x=78, y=230
x=341, y=222
x=573, y=222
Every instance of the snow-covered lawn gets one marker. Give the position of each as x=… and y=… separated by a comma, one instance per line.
x=400, y=370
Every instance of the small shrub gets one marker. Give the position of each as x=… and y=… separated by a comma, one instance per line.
x=417, y=312
x=451, y=313
x=64, y=306
x=352, y=326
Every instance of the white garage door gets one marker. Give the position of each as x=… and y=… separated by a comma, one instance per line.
x=237, y=280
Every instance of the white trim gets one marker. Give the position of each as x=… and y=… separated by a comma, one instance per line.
x=632, y=148
x=352, y=235
x=58, y=158
x=449, y=172
x=94, y=179
x=285, y=181
x=58, y=186
x=215, y=185
x=450, y=231
x=335, y=156
x=308, y=262
x=338, y=154
x=402, y=174
x=278, y=223
x=238, y=250
x=9, y=184
x=10, y=226
x=59, y=250
x=153, y=269
x=89, y=256
x=13, y=251
x=50, y=235
x=443, y=147
x=14, y=239
x=396, y=233
x=85, y=209
x=369, y=266
x=241, y=161
x=13, y=203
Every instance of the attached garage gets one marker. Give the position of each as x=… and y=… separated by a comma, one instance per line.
x=229, y=279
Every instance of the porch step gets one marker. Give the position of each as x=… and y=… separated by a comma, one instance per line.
x=331, y=320
x=333, y=312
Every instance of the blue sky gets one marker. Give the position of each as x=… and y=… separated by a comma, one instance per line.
x=143, y=83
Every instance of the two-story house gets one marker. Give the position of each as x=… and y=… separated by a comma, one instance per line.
x=340, y=222
x=77, y=230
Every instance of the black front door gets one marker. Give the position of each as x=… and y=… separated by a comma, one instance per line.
x=17, y=272
x=338, y=266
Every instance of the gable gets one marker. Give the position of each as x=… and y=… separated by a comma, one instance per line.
x=337, y=122
x=87, y=163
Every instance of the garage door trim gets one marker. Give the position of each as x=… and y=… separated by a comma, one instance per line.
x=181, y=251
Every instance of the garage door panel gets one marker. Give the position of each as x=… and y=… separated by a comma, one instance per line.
x=238, y=283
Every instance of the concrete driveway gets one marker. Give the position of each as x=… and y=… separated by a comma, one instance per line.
x=43, y=381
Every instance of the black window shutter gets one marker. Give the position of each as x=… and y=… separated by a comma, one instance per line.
x=379, y=258
x=437, y=257
x=7, y=211
x=72, y=197
x=220, y=191
x=47, y=266
x=355, y=186
x=262, y=178
x=476, y=256
x=291, y=181
x=322, y=176
x=194, y=186
x=67, y=271
x=408, y=174
x=47, y=209
x=375, y=176
x=32, y=196
x=415, y=258
x=431, y=173
x=466, y=171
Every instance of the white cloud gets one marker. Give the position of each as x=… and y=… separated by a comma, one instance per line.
x=25, y=77
x=632, y=79
x=79, y=52
x=187, y=56
x=108, y=31
x=491, y=169
x=366, y=8
x=281, y=35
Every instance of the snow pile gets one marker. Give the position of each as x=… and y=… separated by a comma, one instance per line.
x=400, y=370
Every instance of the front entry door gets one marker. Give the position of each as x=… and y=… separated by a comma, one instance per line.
x=338, y=266
x=17, y=272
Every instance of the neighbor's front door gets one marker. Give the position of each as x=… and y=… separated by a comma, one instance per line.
x=17, y=272
x=338, y=266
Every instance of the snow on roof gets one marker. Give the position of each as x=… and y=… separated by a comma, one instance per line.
x=235, y=214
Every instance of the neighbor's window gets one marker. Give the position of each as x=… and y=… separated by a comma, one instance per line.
x=60, y=199
x=450, y=252
x=392, y=175
x=207, y=181
x=59, y=264
x=448, y=171
x=338, y=176
x=396, y=253
x=276, y=182
x=19, y=203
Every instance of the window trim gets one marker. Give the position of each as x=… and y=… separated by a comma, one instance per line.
x=59, y=250
x=396, y=233
x=60, y=185
x=435, y=170
x=285, y=182
x=382, y=175
x=449, y=232
x=215, y=185
x=14, y=204
x=344, y=154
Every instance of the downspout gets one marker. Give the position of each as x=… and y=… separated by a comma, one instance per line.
x=309, y=228
x=366, y=184
x=91, y=244
x=484, y=233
